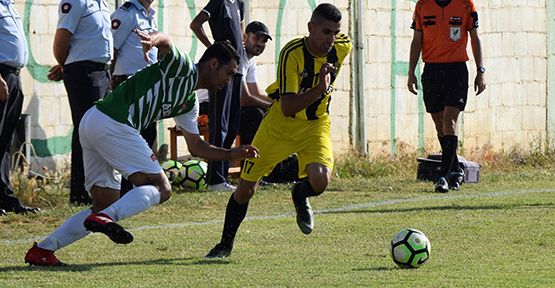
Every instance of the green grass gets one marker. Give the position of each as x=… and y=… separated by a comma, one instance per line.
x=498, y=233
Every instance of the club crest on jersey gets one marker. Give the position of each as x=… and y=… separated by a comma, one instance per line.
x=455, y=33
x=66, y=7
x=166, y=110
x=115, y=24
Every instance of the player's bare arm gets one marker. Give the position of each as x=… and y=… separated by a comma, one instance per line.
x=415, y=48
x=200, y=148
x=154, y=39
x=479, y=82
x=293, y=103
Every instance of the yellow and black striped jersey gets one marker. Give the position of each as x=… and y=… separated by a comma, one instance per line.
x=298, y=72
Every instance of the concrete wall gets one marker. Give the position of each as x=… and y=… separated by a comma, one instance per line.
x=514, y=110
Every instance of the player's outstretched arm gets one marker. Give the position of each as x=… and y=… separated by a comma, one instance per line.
x=200, y=148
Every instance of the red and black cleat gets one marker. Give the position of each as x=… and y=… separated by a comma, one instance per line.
x=100, y=222
x=41, y=257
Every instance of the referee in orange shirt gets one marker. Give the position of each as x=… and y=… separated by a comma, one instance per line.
x=441, y=29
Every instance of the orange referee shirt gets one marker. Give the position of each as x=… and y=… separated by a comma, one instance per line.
x=444, y=29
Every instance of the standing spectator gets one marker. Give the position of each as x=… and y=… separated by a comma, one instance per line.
x=441, y=29
x=225, y=18
x=253, y=101
x=83, y=47
x=13, y=56
x=128, y=52
x=297, y=122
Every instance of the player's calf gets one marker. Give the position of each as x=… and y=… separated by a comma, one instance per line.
x=305, y=216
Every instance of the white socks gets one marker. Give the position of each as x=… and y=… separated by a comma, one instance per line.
x=71, y=231
x=133, y=202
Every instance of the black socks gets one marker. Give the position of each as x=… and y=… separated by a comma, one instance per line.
x=234, y=215
x=304, y=190
x=449, y=144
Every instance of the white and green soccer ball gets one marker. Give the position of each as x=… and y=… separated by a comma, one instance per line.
x=410, y=248
x=194, y=175
x=174, y=171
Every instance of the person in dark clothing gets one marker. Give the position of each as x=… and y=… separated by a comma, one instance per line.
x=13, y=57
x=83, y=47
x=225, y=18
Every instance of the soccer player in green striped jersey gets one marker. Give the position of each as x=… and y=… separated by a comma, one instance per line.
x=109, y=134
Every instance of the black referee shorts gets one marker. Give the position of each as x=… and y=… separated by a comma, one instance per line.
x=445, y=84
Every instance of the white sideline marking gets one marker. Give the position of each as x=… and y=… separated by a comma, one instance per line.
x=346, y=208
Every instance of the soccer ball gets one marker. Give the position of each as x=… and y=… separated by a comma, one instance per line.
x=174, y=171
x=410, y=248
x=194, y=175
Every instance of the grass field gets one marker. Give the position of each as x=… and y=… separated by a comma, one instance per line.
x=498, y=233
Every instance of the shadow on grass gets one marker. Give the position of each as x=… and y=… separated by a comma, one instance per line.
x=446, y=207
x=85, y=267
x=376, y=269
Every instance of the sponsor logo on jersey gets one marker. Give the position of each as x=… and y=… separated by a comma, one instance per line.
x=166, y=109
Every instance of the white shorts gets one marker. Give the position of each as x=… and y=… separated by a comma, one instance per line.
x=111, y=148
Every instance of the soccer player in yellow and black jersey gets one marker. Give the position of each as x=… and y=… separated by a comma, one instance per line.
x=297, y=122
x=441, y=29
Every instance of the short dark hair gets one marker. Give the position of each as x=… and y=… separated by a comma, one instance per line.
x=223, y=51
x=326, y=11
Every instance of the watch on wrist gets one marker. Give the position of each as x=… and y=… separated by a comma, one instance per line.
x=482, y=69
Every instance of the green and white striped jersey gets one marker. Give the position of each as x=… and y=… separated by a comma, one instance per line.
x=162, y=90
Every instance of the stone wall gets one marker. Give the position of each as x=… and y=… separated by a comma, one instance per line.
x=514, y=110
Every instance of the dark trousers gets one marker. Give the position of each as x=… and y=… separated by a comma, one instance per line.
x=224, y=119
x=10, y=111
x=85, y=82
x=250, y=120
x=149, y=134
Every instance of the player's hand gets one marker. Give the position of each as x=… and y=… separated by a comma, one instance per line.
x=4, y=93
x=325, y=73
x=242, y=152
x=412, y=83
x=479, y=84
x=56, y=73
x=146, y=42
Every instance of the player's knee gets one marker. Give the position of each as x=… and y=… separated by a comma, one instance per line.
x=319, y=183
x=244, y=192
x=165, y=192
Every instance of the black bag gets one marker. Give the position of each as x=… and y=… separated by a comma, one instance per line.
x=428, y=169
x=286, y=171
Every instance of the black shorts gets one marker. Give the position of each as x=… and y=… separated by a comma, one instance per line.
x=445, y=84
